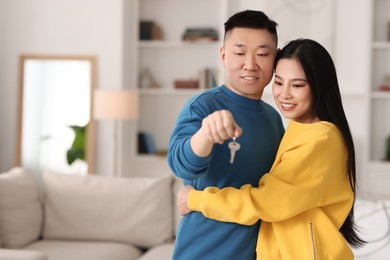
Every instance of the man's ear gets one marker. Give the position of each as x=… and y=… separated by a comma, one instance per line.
x=222, y=55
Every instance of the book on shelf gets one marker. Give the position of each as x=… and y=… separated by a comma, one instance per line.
x=208, y=78
x=384, y=88
x=186, y=84
x=200, y=35
x=149, y=30
x=146, y=144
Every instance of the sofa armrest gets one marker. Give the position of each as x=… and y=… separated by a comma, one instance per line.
x=14, y=254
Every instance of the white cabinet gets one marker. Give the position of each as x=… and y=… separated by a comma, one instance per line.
x=171, y=59
x=379, y=101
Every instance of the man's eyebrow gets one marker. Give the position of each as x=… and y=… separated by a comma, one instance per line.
x=261, y=46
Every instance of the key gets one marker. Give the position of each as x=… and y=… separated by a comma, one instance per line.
x=234, y=147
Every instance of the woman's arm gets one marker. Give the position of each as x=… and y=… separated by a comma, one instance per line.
x=273, y=200
x=305, y=173
x=292, y=188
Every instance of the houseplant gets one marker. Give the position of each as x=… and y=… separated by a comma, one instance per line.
x=77, y=150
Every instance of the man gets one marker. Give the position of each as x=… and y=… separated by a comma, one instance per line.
x=198, y=152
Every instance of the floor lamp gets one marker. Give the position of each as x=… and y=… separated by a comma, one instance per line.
x=116, y=106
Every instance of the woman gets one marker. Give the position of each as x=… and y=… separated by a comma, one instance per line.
x=306, y=200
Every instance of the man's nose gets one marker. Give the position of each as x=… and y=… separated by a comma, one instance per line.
x=250, y=63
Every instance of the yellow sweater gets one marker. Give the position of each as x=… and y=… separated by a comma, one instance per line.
x=302, y=202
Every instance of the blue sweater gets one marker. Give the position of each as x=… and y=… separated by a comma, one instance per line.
x=199, y=237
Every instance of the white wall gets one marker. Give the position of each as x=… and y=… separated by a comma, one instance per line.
x=352, y=58
x=4, y=124
x=297, y=19
x=87, y=27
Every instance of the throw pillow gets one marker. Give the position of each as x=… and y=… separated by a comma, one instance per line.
x=137, y=211
x=20, y=208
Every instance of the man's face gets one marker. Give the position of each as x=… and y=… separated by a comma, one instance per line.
x=248, y=57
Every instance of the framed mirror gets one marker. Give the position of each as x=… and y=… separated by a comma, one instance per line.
x=56, y=130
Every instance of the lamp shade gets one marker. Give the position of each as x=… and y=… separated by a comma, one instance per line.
x=115, y=104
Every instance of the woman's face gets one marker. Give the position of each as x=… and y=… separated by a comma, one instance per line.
x=292, y=92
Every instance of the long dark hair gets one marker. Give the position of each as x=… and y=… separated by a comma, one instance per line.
x=322, y=78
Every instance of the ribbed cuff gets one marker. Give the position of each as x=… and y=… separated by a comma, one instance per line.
x=194, y=200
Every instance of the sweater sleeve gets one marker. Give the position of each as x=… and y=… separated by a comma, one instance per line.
x=290, y=189
x=183, y=162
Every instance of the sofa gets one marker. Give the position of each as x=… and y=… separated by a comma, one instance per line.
x=70, y=217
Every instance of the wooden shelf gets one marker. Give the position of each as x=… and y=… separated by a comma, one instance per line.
x=380, y=95
x=177, y=44
x=170, y=92
x=380, y=167
x=381, y=45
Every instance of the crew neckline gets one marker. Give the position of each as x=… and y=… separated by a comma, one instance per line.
x=302, y=125
x=240, y=99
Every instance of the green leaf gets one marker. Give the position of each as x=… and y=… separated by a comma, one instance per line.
x=77, y=150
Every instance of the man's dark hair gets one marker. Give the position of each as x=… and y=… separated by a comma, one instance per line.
x=251, y=19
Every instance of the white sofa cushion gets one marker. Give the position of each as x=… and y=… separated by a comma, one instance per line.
x=161, y=252
x=85, y=250
x=137, y=211
x=16, y=254
x=20, y=208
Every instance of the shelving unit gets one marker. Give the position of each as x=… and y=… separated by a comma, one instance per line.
x=368, y=109
x=171, y=59
x=379, y=101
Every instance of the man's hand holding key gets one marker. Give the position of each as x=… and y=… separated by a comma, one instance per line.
x=220, y=126
x=216, y=128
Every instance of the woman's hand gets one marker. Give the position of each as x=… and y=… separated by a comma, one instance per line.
x=182, y=197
